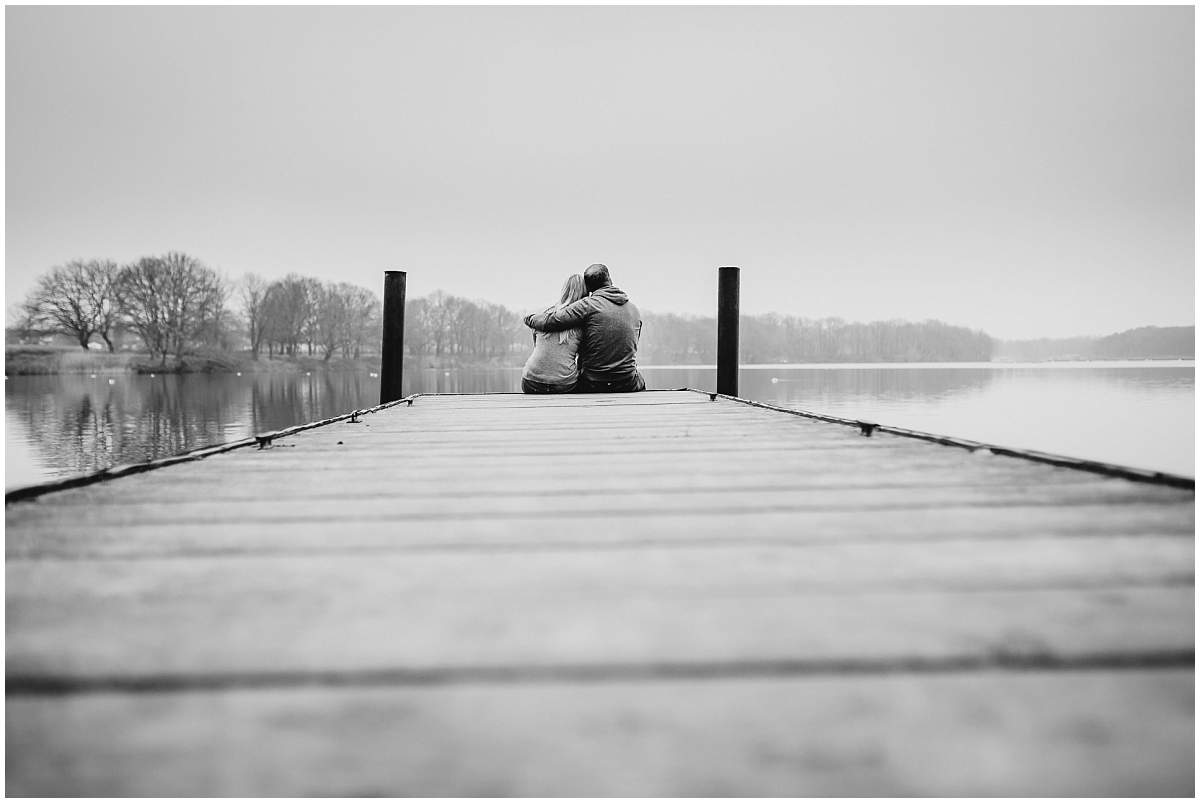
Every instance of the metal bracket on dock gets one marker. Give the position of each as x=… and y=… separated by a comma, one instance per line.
x=712, y=397
x=866, y=428
x=410, y=401
x=354, y=417
x=263, y=441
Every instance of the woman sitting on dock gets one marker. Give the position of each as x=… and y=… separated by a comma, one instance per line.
x=553, y=367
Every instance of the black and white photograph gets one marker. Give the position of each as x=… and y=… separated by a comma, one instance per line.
x=584, y=401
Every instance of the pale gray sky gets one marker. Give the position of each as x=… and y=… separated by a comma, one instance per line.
x=1027, y=171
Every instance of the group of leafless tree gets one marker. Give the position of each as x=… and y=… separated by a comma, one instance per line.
x=173, y=302
x=443, y=325
x=298, y=311
x=176, y=304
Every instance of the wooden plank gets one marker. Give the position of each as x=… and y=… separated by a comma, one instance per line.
x=70, y=538
x=440, y=608
x=711, y=457
x=285, y=461
x=648, y=503
x=832, y=566
x=476, y=480
x=380, y=469
x=375, y=455
x=652, y=396
x=977, y=734
x=481, y=481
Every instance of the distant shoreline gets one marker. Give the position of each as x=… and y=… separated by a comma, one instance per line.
x=55, y=360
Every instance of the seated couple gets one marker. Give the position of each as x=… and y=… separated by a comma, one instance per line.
x=587, y=343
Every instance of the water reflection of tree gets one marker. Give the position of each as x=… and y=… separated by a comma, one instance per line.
x=478, y=380
x=1138, y=377
x=81, y=424
x=283, y=400
x=184, y=412
x=871, y=385
x=814, y=388
x=75, y=422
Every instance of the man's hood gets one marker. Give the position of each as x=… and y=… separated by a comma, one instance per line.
x=613, y=294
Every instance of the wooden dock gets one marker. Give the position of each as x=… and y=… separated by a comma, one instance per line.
x=652, y=594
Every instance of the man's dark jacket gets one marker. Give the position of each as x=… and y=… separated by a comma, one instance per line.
x=611, y=327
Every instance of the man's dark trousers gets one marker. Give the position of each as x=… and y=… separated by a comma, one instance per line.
x=631, y=384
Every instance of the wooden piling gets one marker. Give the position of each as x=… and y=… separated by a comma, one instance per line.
x=391, y=371
x=728, y=302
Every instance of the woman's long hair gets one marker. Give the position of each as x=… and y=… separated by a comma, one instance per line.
x=573, y=290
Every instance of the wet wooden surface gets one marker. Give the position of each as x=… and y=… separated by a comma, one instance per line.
x=650, y=594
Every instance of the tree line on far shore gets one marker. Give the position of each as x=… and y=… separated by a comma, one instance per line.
x=776, y=338
x=176, y=305
x=1142, y=343
x=441, y=325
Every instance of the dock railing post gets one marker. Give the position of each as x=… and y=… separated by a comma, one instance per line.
x=728, y=302
x=391, y=370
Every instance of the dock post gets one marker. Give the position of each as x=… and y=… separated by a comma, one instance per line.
x=728, y=302
x=391, y=370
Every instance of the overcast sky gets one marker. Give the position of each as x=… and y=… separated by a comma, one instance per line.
x=1027, y=171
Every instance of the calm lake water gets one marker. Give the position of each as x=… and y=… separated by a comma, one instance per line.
x=1134, y=413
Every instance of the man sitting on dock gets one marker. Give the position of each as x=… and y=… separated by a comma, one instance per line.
x=610, y=325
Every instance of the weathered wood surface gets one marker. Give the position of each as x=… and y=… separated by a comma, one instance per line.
x=653, y=594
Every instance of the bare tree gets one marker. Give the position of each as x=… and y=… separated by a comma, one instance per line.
x=287, y=313
x=418, y=332
x=173, y=302
x=364, y=323
x=343, y=316
x=253, y=290
x=330, y=317
x=444, y=312
x=77, y=299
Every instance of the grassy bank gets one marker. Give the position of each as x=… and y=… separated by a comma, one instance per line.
x=61, y=360
x=27, y=360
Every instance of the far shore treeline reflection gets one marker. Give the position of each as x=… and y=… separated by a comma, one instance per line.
x=176, y=306
x=90, y=423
